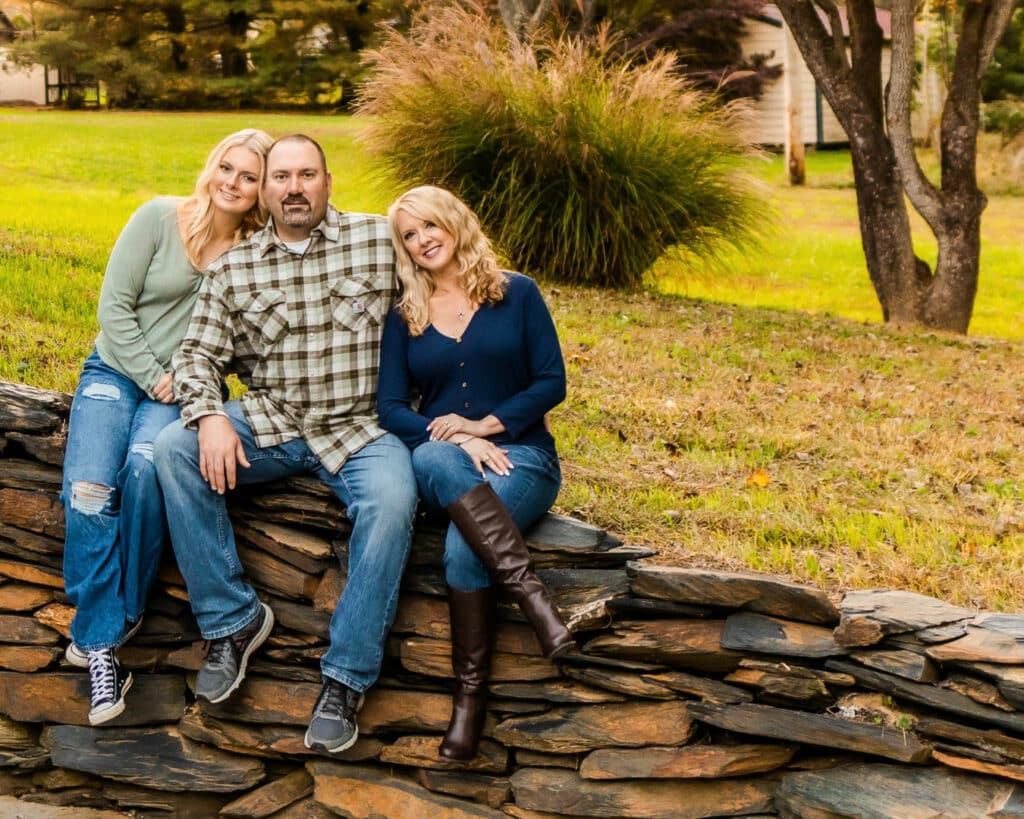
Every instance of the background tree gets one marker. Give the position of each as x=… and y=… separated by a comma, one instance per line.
x=706, y=37
x=885, y=165
x=210, y=53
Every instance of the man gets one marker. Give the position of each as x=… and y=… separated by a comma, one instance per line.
x=297, y=311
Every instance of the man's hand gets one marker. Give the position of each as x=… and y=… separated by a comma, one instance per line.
x=220, y=452
x=164, y=389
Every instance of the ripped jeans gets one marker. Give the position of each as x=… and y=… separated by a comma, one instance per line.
x=113, y=507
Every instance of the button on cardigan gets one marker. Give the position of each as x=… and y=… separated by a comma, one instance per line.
x=507, y=363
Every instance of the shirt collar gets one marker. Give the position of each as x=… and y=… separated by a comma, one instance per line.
x=329, y=228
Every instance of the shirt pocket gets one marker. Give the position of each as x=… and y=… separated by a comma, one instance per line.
x=264, y=315
x=357, y=304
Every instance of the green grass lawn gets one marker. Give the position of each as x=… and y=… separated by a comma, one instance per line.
x=888, y=457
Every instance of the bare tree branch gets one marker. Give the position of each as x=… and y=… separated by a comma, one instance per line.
x=835, y=22
x=995, y=27
x=922, y=193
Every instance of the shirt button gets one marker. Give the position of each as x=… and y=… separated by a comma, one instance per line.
x=458, y=340
x=464, y=385
x=466, y=405
x=462, y=363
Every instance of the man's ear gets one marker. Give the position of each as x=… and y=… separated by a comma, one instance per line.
x=330, y=182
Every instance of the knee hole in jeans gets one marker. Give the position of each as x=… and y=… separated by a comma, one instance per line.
x=102, y=392
x=89, y=498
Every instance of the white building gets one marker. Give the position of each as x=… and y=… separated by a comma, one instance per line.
x=765, y=34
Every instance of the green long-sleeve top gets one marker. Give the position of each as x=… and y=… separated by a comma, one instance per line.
x=148, y=293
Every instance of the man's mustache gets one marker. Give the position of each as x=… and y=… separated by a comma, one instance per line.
x=295, y=200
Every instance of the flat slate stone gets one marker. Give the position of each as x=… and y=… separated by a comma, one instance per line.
x=868, y=616
x=565, y=792
x=813, y=729
x=688, y=762
x=361, y=792
x=434, y=658
x=153, y=757
x=22, y=809
x=264, y=700
x=703, y=688
x=64, y=698
x=949, y=701
x=625, y=683
x=691, y=644
x=980, y=645
x=556, y=691
x=784, y=689
x=268, y=799
x=46, y=448
x=1009, y=680
x=265, y=740
x=907, y=664
x=747, y=631
x=899, y=792
x=570, y=729
x=986, y=740
x=964, y=763
x=493, y=791
x=30, y=409
x=423, y=752
x=735, y=590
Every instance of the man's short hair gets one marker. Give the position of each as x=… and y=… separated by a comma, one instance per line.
x=302, y=138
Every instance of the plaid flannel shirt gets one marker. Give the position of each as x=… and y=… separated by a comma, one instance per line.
x=303, y=332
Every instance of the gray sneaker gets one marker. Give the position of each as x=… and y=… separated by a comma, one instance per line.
x=333, y=727
x=78, y=658
x=224, y=667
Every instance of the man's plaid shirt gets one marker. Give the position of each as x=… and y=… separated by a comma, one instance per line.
x=303, y=332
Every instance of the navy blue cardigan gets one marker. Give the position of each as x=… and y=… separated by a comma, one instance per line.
x=507, y=364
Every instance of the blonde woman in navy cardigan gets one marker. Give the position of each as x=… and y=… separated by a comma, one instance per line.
x=470, y=364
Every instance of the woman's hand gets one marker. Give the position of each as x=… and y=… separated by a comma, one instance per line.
x=444, y=427
x=486, y=454
x=164, y=389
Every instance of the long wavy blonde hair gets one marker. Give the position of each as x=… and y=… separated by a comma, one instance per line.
x=479, y=275
x=199, y=206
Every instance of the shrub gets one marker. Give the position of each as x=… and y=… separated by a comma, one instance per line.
x=582, y=168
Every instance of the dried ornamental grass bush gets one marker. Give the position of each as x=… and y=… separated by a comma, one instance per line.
x=583, y=168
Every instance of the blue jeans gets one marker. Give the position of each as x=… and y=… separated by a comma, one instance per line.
x=376, y=485
x=445, y=472
x=113, y=507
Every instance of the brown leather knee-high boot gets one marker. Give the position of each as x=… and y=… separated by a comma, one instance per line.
x=491, y=532
x=471, y=614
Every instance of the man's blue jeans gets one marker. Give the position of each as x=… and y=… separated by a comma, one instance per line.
x=445, y=472
x=376, y=485
x=113, y=507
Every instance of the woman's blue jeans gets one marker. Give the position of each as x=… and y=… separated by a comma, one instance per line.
x=445, y=472
x=113, y=508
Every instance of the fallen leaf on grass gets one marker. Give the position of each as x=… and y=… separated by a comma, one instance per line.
x=759, y=477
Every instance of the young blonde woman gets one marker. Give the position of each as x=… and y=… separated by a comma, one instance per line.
x=113, y=507
x=478, y=348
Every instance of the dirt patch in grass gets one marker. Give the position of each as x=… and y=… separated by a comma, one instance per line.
x=846, y=454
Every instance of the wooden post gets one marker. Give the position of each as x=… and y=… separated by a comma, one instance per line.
x=791, y=78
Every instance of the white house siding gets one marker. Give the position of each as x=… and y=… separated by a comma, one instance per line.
x=21, y=84
x=818, y=124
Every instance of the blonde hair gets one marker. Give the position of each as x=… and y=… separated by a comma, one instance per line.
x=199, y=206
x=479, y=275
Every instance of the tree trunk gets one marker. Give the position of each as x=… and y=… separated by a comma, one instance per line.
x=885, y=165
x=899, y=278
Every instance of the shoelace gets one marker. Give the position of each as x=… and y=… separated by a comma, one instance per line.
x=220, y=652
x=102, y=675
x=334, y=702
